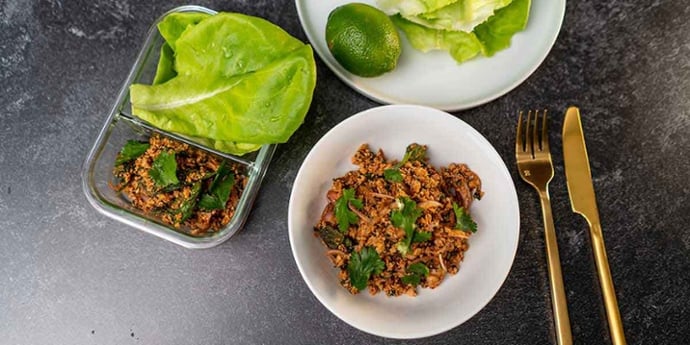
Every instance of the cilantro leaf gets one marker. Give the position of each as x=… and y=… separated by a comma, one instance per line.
x=393, y=175
x=219, y=191
x=411, y=279
x=414, y=152
x=421, y=236
x=405, y=218
x=362, y=265
x=343, y=213
x=187, y=205
x=163, y=172
x=416, y=271
x=463, y=220
x=131, y=151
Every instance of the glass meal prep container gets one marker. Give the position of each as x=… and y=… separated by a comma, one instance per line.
x=121, y=126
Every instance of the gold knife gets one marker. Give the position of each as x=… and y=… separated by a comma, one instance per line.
x=581, y=190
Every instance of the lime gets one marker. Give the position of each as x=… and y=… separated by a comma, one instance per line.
x=363, y=39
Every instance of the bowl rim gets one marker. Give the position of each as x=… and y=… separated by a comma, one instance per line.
x=513, y=199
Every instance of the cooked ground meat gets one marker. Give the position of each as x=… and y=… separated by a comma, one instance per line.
x=434, y=191
x=177, y=205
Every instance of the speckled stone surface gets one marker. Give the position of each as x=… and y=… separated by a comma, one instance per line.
x=71, y=276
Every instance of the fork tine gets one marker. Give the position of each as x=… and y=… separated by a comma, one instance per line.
x=545, y=133
x=520, y=140
x=536, y=144
x=529, y=140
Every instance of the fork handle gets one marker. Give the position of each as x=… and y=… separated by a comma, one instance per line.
x=610, y=302
x=558, y=300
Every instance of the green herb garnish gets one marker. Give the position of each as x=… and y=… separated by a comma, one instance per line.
x=393, y=175
x=463, y=220
x=405, y=217
x=187, y=205
x=416, y=272
x=131, y=151
x=421, y=236
x=362, y=265
x=414, y=152
x=219, y=191
x=343, y=214
x=164, y=170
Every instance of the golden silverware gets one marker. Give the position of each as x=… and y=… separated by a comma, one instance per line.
x=582, y=198
x=534, y=163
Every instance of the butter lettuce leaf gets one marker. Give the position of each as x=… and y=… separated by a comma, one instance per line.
x=264, y=106
x=495, y=34
x=487, y=38
x=174, y=24
x=171, y=28
x=463, y=15
x=241, y=82
x=412, y=7
x=166, y=69
x=461, y=45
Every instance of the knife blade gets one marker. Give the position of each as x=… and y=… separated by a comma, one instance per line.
x=577, y=173
x=583, y=201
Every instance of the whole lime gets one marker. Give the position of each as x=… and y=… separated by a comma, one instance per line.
x=363, y=39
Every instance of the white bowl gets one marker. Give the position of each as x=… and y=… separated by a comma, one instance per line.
x=492, y=248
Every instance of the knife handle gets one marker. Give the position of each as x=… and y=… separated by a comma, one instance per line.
x=558, y=300
x=606, y=283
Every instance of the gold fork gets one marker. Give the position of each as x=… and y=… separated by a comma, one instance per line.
x=536, y=168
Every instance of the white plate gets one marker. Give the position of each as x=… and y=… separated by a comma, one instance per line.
x=492, y=248
x=434, y=78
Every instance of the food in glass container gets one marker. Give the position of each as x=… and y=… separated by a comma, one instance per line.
x=178, y=184
x=393, y=226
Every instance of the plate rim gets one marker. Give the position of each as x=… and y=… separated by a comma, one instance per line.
x=454, y=107
x=513, y=196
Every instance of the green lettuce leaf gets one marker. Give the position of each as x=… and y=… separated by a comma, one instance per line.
x=487, y=38
x=461, y=45
x=174, y=24
x=171, y=28
x=495, y=34
x=242, y=82
x=166, y=68
x=463, y=15
x=412, y=7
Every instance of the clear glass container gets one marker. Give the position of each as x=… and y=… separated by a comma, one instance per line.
x=121, y=126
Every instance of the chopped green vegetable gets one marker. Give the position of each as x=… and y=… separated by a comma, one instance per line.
x=421, y=236
x=405, y=218
x=362, y=265
x=414, y=152
x=343, y=214
x=463, y=220
x=416, y=272
x=163, y=172
x=331, y=236
x=187, y=206
x=240, y=81
x=393, y=175
x=131, y=151
x=219, y=191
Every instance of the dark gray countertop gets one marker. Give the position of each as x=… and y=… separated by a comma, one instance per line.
x=71, y=276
